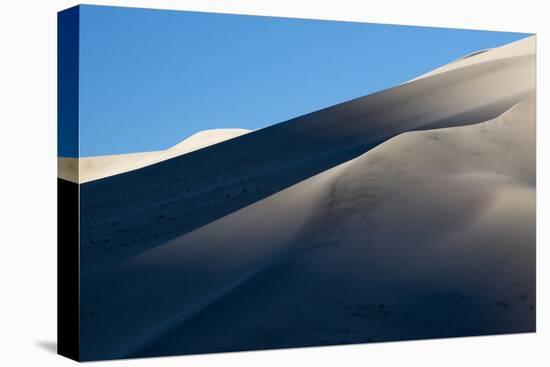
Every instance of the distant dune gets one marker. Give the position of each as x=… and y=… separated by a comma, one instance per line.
x=408, y=213
x=93, y=168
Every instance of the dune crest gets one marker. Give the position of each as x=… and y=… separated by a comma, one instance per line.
x=519, y=48
x=94, y=168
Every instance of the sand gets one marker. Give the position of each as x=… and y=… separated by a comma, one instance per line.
x=94, y=168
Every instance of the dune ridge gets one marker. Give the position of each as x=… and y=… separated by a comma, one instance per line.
x=515, y=49
x=82, y=170
x=94, y=168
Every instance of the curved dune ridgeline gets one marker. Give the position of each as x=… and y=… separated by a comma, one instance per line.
x=82, y=170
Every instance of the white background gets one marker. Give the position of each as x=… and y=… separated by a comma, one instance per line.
x=28, y=183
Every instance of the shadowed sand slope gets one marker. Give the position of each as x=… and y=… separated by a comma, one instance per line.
x=431, y=234
x=81, y=170
x=125, y=214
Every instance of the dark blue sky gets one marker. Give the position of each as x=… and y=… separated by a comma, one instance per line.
x=150, y=78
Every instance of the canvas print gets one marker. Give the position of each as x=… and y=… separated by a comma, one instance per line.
x=233, y=183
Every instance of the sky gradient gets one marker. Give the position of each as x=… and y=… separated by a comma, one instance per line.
x=151, y=78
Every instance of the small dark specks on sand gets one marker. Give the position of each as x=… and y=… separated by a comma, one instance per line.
x=383, y=310
x=502, y=304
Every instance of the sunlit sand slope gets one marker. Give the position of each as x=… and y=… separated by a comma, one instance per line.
x=94, y=168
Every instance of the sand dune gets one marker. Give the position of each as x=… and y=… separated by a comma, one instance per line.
x=431, y=240
x=405, y=214
x=162, y=201
x=94, y=168
x=392, y=245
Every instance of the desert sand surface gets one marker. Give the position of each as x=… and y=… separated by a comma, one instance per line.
x=515, y=49
x=94, y=168
x=405, y=214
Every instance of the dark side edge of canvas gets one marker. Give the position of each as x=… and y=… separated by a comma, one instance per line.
x=68, y=214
